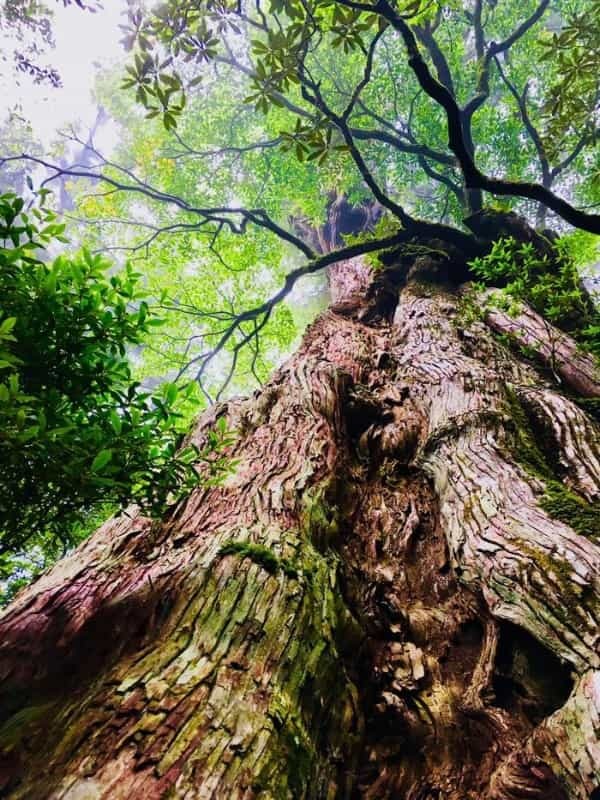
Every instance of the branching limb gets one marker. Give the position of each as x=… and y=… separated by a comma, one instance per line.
x=521, y=100
x=493, y=50
x=260, y=315
x=236, y=219
x=191, y=152
x=365, y=78
x=441, y=178
x=425, y=35
x=473, y=177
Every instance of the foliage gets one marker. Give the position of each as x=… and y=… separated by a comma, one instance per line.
x=201, y=70
x=76, y=432
x=30, y=23
x=551, y=285
x=205, y=282
x=572, y=102
x=294, y=43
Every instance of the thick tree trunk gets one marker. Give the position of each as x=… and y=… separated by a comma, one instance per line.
x=395, y=595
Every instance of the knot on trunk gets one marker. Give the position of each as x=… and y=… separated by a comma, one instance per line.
x=385, y=423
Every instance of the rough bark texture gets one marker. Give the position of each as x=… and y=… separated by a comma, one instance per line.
x=395, y=595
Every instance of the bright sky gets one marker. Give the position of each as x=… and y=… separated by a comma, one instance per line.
x=83, y=41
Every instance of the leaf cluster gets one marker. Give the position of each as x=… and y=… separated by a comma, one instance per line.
x=188, y=31
x=76, y=431
x=552, y=286
x=572, y=102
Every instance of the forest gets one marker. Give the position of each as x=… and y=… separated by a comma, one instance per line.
x=300, y=400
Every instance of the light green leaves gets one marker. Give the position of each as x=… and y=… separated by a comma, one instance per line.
x=101, y=460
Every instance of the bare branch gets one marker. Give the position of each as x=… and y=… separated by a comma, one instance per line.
x=191, y=152
x=365, y=78
x=220, y=214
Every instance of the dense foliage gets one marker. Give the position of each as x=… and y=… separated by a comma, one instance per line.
x=76, y=432
x=397, y=59
x=551, y=284
x=247, y=137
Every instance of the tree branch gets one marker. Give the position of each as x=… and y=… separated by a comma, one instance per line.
x=442, y=69
x=260, y=314
x=521, y=100
x=494, y=49
x=219, y=214
x=473, y=177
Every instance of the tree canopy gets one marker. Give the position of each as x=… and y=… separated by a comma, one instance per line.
x=428, y=110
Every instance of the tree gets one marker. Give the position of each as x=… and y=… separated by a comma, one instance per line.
x=396, y=592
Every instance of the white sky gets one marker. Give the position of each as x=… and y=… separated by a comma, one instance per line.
x=83, y=41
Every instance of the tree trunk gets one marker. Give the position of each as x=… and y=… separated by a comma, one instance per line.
x=394, y=595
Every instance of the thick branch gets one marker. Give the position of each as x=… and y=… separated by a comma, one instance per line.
x=554, y=348
x=474, y=178
x=440, y=63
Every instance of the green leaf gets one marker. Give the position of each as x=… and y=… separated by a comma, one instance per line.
x=101, y=460
x=116, y=422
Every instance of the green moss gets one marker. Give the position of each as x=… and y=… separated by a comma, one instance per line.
x=526, y=449
x=557, y=501
x=20, y=725
x=320, y=520
x=560, y=570
x=261, y=555
x=296, y=757
x=574, y=511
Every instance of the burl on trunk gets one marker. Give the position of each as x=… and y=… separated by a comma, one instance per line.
x=394, y=595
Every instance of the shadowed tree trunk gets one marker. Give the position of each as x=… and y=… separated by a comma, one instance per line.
x=395, y=594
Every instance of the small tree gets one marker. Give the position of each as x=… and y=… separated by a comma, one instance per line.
x=77, y=432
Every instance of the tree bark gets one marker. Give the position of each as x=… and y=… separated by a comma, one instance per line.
x=394, y=595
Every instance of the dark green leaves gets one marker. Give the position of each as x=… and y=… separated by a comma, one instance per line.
x=76, y=431
x=311, y=142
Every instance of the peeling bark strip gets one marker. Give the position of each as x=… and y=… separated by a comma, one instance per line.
x=577, y=369
x=394, y=596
